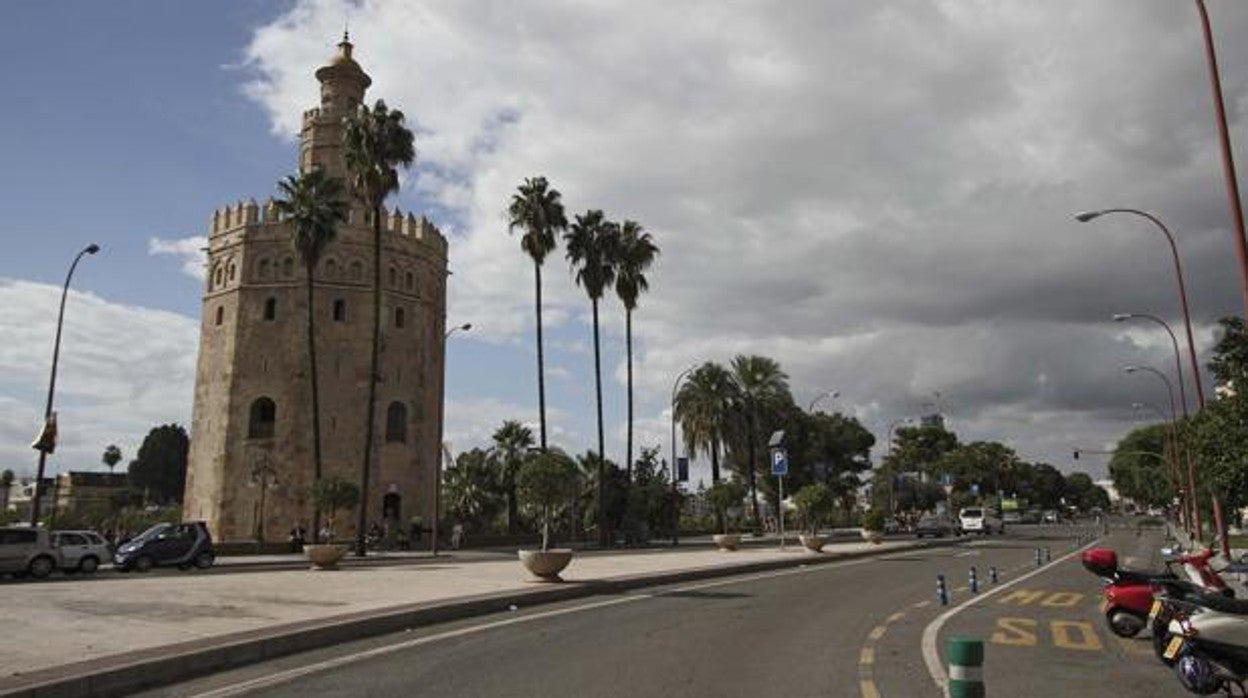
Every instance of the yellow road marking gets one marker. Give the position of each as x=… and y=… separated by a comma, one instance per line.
x=1062, y=635
x=1022, y=597
x=1062, y=599
x=867, y=686
x=867, y=657
x=877, y=632
x=923, y=604
x=961, y=589
x=895, y=617
x=1015, y=631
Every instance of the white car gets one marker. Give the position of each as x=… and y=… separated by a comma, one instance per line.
x=81, y=551
x=981, y=520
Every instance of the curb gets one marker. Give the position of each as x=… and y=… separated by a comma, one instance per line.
x=130, y=672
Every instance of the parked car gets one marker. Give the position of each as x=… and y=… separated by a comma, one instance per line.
x=981, y=520
x=1011, y=517
x=937, y=526
x=28, y=551
x=182, y=545
x=1051, y=516
x=81, y=551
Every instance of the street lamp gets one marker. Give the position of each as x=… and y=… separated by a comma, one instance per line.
x=1178, y=364
x=265, y=476
x=892, y=483
x=44, y=448
x=831, y=394
x=437, y=481
x=1178, y=272
x=1191, y=468
x=675, y=385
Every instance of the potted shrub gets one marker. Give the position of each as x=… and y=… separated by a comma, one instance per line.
x=873, y=525
x=545, y=482
x=331, y=495
x=814, y=503
x=722, y=497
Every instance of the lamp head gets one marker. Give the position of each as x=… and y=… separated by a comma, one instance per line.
x=1119, y=317
x=1087, y=216
x=92, y=248
x=466, y=326
x=1130, y=369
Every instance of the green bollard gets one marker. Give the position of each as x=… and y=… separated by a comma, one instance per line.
x=966, y=667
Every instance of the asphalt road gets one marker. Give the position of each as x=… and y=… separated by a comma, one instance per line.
x=849, y=629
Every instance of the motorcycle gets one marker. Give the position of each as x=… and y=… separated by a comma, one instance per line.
x=1206, y=640
x=1129, y=593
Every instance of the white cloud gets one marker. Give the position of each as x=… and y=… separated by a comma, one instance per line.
x=191, y=251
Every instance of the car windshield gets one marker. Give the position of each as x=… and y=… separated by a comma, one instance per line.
x=929, y=521
x=974, y=513
x=152, y=532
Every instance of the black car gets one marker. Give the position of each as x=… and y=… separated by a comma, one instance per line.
x=937, y=526
x=183, y=545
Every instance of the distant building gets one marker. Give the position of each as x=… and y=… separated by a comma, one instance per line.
x=78, y=491
x=932, y=420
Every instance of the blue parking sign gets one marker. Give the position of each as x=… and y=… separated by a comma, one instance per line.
x=779, y=462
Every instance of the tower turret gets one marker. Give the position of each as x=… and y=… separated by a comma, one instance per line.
x=343, y=83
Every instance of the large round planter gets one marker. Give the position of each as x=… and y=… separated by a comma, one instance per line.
x=325, y=557
x=813, y=543
x=546, y=564
x=727, y=541
x=872, y=536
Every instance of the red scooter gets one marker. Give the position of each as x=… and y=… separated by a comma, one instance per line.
x=1129, y=593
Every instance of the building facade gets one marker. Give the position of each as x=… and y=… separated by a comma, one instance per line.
x=251, y=471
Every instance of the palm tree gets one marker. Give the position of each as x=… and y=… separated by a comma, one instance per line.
x=761, y=392
x=111, y=457
x=591, y=242
x=512, y=442
x=537, y=209
x=703, y=407
x=314, y=205
x=376, y=143
x=633, y=256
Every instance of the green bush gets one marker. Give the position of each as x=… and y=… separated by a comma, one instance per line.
x=815, y=504
x=724, y=496
x=547, y=481
x=873, y=520
x=331, y=495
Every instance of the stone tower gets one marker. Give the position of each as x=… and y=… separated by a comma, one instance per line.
x=251, y=469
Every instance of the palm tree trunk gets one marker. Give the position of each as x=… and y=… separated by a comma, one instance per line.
x=541, y=373
x=370, y=412
x=628, y=344
x=751, y=468
x=603, y=539
x=714, y=461
x=316, y=405
x=511, y=506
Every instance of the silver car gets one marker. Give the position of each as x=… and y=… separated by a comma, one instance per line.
x=81, y=551
x=27, y=551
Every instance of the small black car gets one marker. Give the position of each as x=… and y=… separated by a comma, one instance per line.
x=166, y=545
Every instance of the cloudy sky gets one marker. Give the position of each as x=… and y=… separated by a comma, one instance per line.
x=880, y=195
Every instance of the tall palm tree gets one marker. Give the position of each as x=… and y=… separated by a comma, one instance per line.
x=512, y=442
x=538, y=210
x=376, y=143
x=633, y=256
x=761, y=393
x=591, y=242
x=313, y=203
x=111, y=457
x=703, y=407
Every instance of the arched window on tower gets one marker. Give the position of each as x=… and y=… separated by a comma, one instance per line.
x=218, y=277
x=357, y=270
x=270, y=309
x=331, y=269
x=220, y=314
x=288, y=267
x=394, y=277
x=400, y=316
x=264, y=269
x=340, y=310
x=396, y=423
x=262, y=420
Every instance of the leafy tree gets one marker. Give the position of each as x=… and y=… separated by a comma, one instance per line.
x=111, y=457
x=313, y=204
x=652, y=504
x=547, y=481
x=1083, y=494
x=591, y=243
x=760, y=396
x=473, y=491
x=918, y=449
x=724, y=497
x=376, y=144
x=1219, y=434
x=512, y=442
x=333, y=494
x=1141, y=467
x=703, y=406
x=605, y=495
x=833, y=449
x=536, y=208
x=1047, y=486
x=1230, y=355
x=160, y=466
x=6, y=483
x=990, y=465
x=814, y=503
x=634, y=254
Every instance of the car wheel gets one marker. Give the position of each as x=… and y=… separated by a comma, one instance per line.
x=204, y=560
x=88, y=565
x=143, y=563
x=41, y=567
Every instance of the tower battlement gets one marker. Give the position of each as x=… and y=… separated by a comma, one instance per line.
x=244, y=213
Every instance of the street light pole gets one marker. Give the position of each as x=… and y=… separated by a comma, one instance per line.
x=1176, y=473
x=437, y=482
x=675, y=385
x=1178, y=363
x=1228, y=160
x=892, y=483
x=1178, y=272
x=1191, y=468
x=47, y=410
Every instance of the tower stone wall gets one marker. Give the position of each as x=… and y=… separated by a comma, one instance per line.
x=251, y=431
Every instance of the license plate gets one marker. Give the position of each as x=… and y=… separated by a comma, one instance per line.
x=1172, y=649
x=1152, y=612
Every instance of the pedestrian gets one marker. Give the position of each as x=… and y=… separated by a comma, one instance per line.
x=457, y=536
x=297, y=534
x=327, y=533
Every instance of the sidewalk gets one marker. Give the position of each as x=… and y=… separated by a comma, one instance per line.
x=118, y=626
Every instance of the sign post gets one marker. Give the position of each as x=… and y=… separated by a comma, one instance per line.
x=780, y=468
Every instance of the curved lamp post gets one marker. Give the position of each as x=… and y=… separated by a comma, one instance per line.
x=437, y=482
x=675, y=385
x=831, y=394
x=1178, y=272
x=47, y=410
x=892, y=484
x=1191, y=468
x=1178, y=363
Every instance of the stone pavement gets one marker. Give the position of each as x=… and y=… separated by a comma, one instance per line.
x=47, y=625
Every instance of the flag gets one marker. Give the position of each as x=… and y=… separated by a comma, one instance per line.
x=46, y=440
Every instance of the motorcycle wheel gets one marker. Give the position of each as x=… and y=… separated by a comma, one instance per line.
x=1124, y=623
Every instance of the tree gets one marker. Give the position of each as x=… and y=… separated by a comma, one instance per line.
x=989, y=465
x=723, y=498
x=634, y=254
x=6, y=483
x=512, y=442
x=472, y=490
x=314, y=206
x=160, y=466
x=333, y=494
x=918, y=449
x=111, y=457
x=605, y=495
x=547, y=481
x=591, y=243
x=1047, y=485
x=831, y=449
x=703, y=407
x=376, y=144
x=536, y=208
x=1141, y=466
x=1230, y=355
x=1083, y=494
x=760, y=394
x=814, y=503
